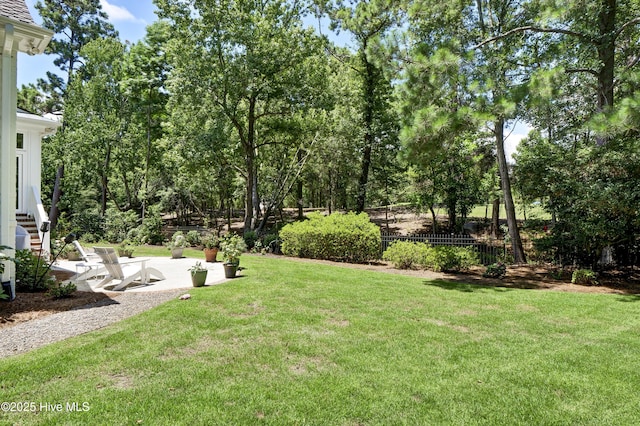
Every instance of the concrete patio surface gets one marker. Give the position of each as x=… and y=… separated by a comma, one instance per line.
x=175, y=272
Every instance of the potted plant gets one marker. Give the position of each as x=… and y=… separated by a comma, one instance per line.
x=211, y=244
x=125, y=249
x=198, y=274
x=177, y=245
x=73, y=255
x=66, y=251
x=231, y=247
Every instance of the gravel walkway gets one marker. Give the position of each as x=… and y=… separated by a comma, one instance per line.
x=53, y=328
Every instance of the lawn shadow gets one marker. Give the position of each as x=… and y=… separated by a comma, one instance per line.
x=629, y=298
x=465, y=286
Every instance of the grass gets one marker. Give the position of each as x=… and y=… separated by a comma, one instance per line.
x=532, y=212
x=301, y=343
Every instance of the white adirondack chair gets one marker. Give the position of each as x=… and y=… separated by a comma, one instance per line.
x=122, y=274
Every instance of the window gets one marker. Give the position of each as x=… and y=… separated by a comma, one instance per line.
x=20, y=141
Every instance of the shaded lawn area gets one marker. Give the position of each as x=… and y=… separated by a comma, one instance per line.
x=302, y=343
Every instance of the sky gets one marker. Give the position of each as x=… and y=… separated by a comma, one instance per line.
x=130, y=19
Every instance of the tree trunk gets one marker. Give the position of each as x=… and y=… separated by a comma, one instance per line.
x=146, y=165
x=369, y=104
x=105, y=181
x=495, y=217
x=299, y=189
x=606, y=53
x=55, y=197
x=434, y=217
x=514, y=233
x=250, y=154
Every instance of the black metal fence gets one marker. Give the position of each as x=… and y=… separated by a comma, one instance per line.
x=489, y=249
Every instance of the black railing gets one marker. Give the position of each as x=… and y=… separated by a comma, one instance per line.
x=490, y=250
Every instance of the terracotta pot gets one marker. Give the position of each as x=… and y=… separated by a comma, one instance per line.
x=211, y=254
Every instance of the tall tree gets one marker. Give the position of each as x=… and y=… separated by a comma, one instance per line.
x=486, y=93
x=597, y=40
x=369, y=21
x=75, y=24
x=145, y=77
x=248, y=62
x=99, y=115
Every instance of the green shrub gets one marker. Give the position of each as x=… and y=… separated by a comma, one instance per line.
x=250, y=238
x=31, y=275
x=268, y=239
x=406, y=254
x=451, y=258
x=150, y=232
x=343, y=237
x=496, y=270
x=193, y=238
x=58, y=291
x=117, y=224
x=89, y=222
x=410, y=255
x=584, y=277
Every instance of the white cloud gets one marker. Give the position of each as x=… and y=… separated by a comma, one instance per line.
x=117, y=13
x=510, y=145
x=519, y=132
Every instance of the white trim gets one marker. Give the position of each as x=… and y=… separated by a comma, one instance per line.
x=30, y=39
x=20, y=172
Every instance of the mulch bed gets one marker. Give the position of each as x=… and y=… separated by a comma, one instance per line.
x=29, y=306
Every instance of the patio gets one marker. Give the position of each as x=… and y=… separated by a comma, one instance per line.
x=175, y=272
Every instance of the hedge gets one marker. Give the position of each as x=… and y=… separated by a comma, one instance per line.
x=341, y=237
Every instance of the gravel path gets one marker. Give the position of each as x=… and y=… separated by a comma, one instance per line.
x=53, y=328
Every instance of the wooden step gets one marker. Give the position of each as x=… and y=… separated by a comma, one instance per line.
x=29, y=224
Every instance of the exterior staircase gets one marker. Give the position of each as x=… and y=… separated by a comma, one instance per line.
x=30, y=225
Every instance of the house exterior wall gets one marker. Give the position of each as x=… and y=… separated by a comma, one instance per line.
x=33, y=128
x=17, y=34
x=8, y=96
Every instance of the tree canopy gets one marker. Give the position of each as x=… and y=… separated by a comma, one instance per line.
x=232, y=105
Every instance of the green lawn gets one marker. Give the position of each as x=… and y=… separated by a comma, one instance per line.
x=532, y=212
x=300, y=343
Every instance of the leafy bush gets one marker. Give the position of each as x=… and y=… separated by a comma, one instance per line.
x=150, y=232
x=232, y=246
x=31, y=275
x=451, y=258
x=58, y=291
x=210, y=241
x=271, y=243
x=409, y=255
x=584, y=277
x=406, y=254
x=496, y=270
x=193, y=238
x=178, y=240
x=250, y=238
x=117, y=224
x=344, y=237
x=89, y=222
